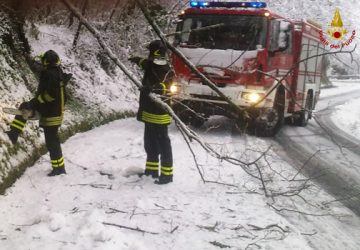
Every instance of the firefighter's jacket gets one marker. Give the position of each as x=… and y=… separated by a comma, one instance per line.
x=157, y=78
x=49, y=100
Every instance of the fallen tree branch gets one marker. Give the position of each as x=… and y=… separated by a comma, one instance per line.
x=157, y=99
x=296, y=211
x=129, y=228
x=257, y=228
x=218, y=244
x=114, y=210
x=94, y=185
x=174, y=229
x=77, y=34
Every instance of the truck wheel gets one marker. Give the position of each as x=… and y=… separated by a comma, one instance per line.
x=271, y=120
x=305, y=115
x=272, y=125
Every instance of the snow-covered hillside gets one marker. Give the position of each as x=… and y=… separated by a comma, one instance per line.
x=98, y=92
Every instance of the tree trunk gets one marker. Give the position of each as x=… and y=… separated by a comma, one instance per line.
x=77, y=34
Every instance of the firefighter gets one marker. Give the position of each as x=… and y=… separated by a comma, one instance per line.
x=49, y=102
x=157, y=75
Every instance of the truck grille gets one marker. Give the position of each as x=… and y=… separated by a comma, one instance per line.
x=208, y=97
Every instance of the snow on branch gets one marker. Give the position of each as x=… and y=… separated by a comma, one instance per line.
x=102, y=43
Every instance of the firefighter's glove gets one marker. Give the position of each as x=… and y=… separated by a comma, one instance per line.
x=27, y=105
x=134, y=59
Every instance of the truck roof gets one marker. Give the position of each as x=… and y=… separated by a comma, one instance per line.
x=231, y=11
x=226, y=11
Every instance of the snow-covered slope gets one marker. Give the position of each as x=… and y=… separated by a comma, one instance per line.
x=97, y=91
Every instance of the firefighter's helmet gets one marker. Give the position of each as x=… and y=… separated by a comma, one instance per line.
x=157, y=49
x=50, y=58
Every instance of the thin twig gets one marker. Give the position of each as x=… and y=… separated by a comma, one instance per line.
x=130, y=228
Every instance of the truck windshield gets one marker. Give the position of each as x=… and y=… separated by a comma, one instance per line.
x=222, y=32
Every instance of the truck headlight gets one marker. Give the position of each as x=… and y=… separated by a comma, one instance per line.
x=252, y=97
x=174, y=89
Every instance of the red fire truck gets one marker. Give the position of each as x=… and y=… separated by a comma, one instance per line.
x=267, y=65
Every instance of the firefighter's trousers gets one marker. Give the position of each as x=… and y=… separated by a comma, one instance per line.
x=157, y=144
x=51, y=139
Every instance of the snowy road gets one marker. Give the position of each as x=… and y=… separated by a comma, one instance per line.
x=329, y=154
x=80, y=211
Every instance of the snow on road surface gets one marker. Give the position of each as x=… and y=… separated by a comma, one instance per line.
x=80, y=210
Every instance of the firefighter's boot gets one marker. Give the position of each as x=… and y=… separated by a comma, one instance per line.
x=164, y=179
x=153, y=173
x=57, y=171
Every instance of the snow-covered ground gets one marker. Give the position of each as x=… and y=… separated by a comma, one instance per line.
x=80, y=210
x=347, y=116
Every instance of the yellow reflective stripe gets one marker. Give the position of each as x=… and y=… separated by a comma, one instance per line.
x=62, y=96
x=51, y=121
x=152, y=163
x=167, y=168
x=156, y=116
x=58, y=165
x=167, y=119
x=166, y=173
x=40, y=99
x=56, y=161
x=16, y=126
x=152, y=168
x=157, y=119
x=48, y=97
x=157, y=52
x=18, y=122
x=56, y=118
x=141, y=62
x=163, y=85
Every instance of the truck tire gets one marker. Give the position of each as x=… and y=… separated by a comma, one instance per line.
x=306, y=114
x=274, y=118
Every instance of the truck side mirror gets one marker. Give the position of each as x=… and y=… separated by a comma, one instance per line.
x=279, y=35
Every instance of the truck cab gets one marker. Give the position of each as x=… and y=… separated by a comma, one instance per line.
x=254, y=57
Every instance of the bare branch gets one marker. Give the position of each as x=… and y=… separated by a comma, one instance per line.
x=77, y=34
x=111, y=14
x=296, y=211
x=305, y=163
x=130, y=228
x=218, y=244
x=257, y=228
